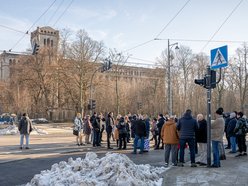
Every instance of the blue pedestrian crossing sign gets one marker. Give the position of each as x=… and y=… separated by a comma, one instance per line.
x=219, y=57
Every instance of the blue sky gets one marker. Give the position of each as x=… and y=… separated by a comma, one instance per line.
x=123, y=24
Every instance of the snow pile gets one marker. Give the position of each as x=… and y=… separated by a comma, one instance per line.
x=37, y=131
x=113, y=169
x=10, y=130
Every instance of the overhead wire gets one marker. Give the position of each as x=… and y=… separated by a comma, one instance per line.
x=32, y=25
x=13, y=29
x=231, y=13
x=171, y=20
x=54, y=13
x=63, y=13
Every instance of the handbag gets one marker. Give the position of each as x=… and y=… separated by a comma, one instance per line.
x=75, y=132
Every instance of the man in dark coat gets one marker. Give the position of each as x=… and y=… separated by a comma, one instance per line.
x=230, y=131
x=140, y=134
x=187, y=127
x=96, y=130
x=109, y=127
x=161, y=121
x=25, y=127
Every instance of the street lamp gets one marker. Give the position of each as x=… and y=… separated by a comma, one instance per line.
x=169, y=77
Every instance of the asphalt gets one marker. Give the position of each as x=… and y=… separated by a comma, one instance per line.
x=18, y=167
x=233, y=171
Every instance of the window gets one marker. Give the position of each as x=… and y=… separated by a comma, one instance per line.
x=44, y=42
x=51, y=43
x=48, y=42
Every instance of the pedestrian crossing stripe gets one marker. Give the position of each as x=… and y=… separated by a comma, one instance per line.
x=218, y=59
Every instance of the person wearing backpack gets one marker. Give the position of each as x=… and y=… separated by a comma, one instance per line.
x=241, y=130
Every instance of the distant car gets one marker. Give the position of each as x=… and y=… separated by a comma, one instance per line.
x=40, y=120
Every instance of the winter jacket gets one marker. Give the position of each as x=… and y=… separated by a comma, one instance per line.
x=87, y=128
x=96, y=124
x=169, y=132
x=230, y=127
x=217, y=129
x=160, y=123
x=154, y=128
x=187, y=126
x=25, y=125
x=109, y=124
x=78, y=124
x=140, y=128
x=201, y=132
x=240, y=128
x=121, y=126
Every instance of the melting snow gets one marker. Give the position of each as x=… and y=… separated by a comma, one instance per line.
x=112, y=169
x=12, y=130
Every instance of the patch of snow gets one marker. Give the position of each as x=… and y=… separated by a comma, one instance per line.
x=37, y=131
x=112, y=169
x=10, y=130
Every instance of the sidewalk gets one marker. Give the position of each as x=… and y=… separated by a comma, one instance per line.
x=233, y=171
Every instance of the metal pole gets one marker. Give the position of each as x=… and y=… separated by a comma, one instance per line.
x=91, y=89
x=169, y=82
x=208, y=116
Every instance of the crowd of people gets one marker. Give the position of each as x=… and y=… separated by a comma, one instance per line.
x=168, y=132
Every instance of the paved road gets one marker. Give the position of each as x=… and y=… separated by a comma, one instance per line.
x=18, y=167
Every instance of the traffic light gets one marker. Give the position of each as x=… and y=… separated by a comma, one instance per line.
x=93, y=104
x=104, y=67
x=213, y=79
x=36, y=49
x=109, y=65
x=201, y=82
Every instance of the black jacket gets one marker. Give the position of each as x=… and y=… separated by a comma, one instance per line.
x=230, y=127
x=160, y=123
x=109, y=123
x=201, y=132
x=140, y=128
x=187, y=126
x=122, y=128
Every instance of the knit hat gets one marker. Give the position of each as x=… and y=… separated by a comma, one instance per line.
x=161, y=115
x=219, y=111
x=240, y=114
x=232, y=115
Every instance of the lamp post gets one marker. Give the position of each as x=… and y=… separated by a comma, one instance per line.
x=169, y=94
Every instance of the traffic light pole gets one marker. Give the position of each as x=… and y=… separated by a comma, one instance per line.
x=91, y=89
x=208, y=116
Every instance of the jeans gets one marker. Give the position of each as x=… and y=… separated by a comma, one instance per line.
x=216, y=153
x=191, y=143
x=233, y=143
x=136, y=143
x=170, y=148
x=96, y=140
x=22, y=139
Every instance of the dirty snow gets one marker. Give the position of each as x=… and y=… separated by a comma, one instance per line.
x=112, y=169
x=13, y=129
x=10, y=130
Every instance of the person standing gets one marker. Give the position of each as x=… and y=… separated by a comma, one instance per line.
x=170, y=138
x=78, y=126
x=241, y=130
x=25, y=127
x=154, y=131
x=96, y=130
x=230, y=131
x=217, y=133
x=161, y=121
x=187, y=127
x=140, y=134
x=121, y=126
x=87, y=129
x=201, y=139
x=109, y=127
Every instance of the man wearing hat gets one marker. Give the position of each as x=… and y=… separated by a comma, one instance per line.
x=217, y=132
